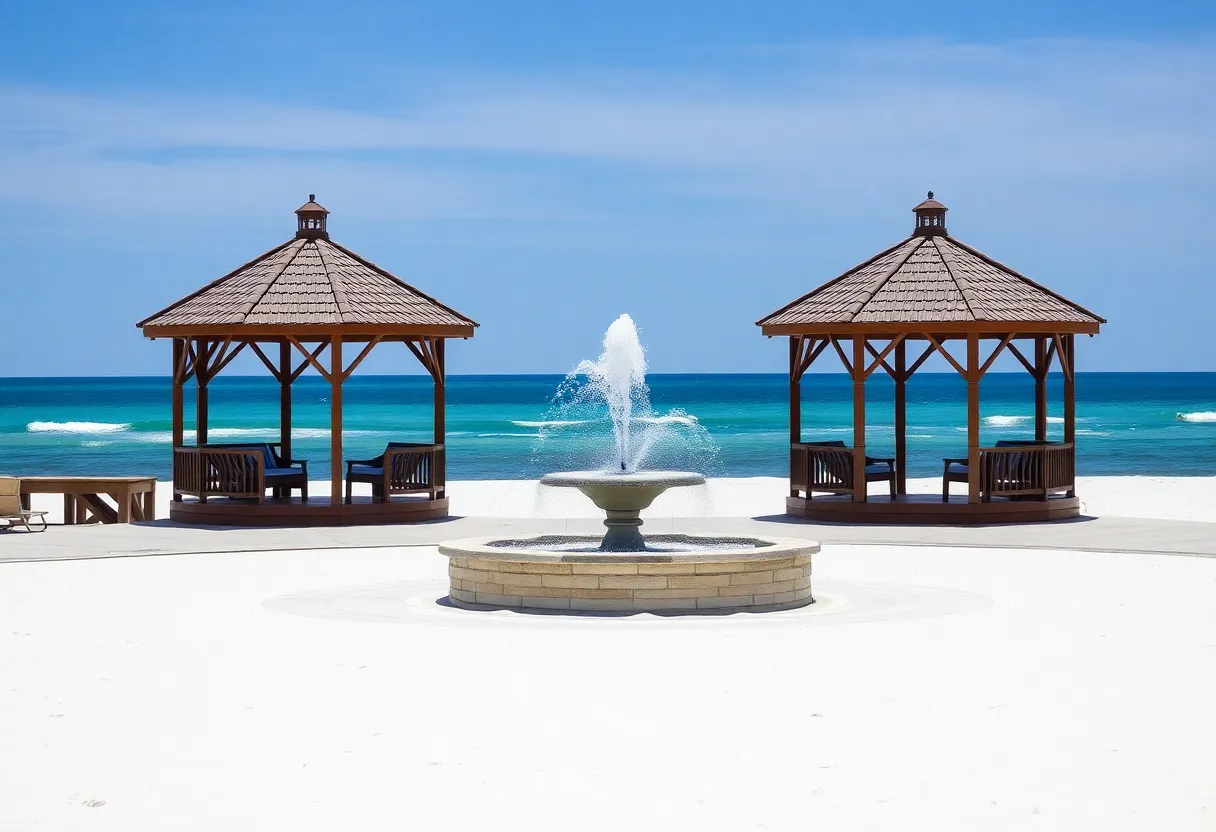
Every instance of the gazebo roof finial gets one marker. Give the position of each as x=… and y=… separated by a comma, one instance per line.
x=930, y=218
x=311, y=220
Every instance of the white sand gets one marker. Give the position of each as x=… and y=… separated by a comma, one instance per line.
x=1163, y=498
x=932, y=689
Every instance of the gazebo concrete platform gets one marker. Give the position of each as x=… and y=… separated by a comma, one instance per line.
x=361, y=511
x=928, y=509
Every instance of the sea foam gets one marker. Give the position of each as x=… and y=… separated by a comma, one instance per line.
x=550, y=423
x=1198, y=416
x=77, y=427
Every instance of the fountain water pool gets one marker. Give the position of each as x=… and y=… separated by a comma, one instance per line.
x=624, y=571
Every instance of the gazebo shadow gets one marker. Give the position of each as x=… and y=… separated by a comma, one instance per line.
x=168, y=523
x=789, y=520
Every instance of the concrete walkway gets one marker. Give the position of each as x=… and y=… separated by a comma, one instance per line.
x=1103, y=534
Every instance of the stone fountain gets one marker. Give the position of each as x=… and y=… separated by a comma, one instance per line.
x=623, y=570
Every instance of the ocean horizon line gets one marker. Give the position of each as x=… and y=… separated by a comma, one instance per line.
x=649, y=375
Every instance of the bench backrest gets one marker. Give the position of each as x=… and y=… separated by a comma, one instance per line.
x=269, y=456
x=10, y=496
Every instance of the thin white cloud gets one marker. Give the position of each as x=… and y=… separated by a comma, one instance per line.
x=822, y=120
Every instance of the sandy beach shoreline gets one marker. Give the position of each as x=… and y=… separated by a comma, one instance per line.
x=1154, y=498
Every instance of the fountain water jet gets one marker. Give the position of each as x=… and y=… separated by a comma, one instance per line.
x=622, y=492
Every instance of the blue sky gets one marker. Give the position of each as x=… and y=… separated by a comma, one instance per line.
x=544, y=167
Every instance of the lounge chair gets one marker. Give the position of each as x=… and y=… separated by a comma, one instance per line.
x=403, y=468
x=838, y=469
x=11, y=510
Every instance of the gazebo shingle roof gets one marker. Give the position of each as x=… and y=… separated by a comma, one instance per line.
x=309, y=281
x=930, y=278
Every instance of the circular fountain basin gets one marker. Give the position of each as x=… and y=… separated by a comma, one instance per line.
x=678, y=573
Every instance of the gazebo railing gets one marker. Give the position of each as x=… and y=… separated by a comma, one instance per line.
x=204, y=472
x=415, y=468
x=1027, y=470
x=825, y=468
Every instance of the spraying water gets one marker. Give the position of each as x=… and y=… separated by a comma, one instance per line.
x=620, y=374
x=613, y=388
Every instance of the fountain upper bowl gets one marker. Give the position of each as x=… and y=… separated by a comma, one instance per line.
x=622, y=479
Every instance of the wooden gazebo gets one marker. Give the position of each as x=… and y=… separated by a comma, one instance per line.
x=933, y=291
x=288, y=307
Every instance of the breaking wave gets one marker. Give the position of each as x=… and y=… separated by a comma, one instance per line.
x=1005, y=421
x=548, y=423
x=1198, y=416
x=77, y=427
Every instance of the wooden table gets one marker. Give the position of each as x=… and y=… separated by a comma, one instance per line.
x=134, y=497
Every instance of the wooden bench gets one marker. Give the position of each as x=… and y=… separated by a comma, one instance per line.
x=236, y=471
x=1017, y=468
x=828, y=467
x=403, y=468
x=134, y=497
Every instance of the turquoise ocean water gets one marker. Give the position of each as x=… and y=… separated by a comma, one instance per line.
x=1127, y=423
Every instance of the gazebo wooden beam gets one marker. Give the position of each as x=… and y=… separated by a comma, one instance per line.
x=937, y=345
x=359, y=358
x=996, y=353
x=879, y=358
x=985, y=329
x=361, y=332
x=311, y=357
x=924, y=356
x=807, y=350
x=1065, y=367
x=270, y=365
x=1030, y=368
x=844, y=359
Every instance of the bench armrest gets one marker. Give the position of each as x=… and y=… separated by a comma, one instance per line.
x=951, y=460
x=890, y=460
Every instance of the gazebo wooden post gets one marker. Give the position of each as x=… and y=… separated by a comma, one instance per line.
x=179, y=393
x=201, y=359
x=440, y=404
x=1040, y=388
x=901, y=420
x=795, y=399
x=335, y=420
x=859, y=418
x=179, y=401
x=973, y=418
x=285, y=399
x=1070, y=399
